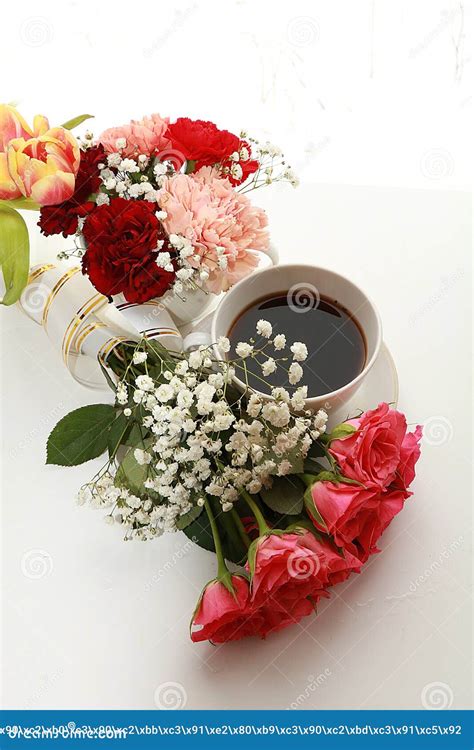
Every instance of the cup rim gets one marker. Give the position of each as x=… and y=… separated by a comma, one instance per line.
x=306, y=266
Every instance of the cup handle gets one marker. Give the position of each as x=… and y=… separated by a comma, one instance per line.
x=272, y=254
x=196, y=339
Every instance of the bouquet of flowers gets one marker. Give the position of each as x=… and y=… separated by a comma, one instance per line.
x=157, y=208
x=255, y=479
x=153, y=205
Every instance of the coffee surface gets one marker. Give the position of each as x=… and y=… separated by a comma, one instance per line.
x=336, y=344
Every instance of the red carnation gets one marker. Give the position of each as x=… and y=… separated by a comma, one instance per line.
x=122, y=240
x=62, y=218
x=202, y=141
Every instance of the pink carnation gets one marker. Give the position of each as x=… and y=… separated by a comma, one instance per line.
x=211, y=214
x=142, y=136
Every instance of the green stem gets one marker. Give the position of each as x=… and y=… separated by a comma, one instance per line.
x=223, y=574
x=240, y=528
x=262, y=524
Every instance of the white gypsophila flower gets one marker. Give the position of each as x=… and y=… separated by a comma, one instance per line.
x=145, y=383
x=127, y=412
x=142, y=457
x=254, y=405
x=184, y=399
x=113, y=160
x=279, y=342
x=299, y=351
x=278, y=414
x=236, y=171
x=120, y=143
x=160, y=169
x=295, y=373
x=139, y=358
x=122, y=394
x=223, y=344
x=320, y=421
x=129, y=165
x=269, y=366
x=280, y=394
x=195, y=359
x=164, y=393
x=138, y=395
x=161, y=215
x=264, y=328
x=284, y=468
x=298, y=398
x=184, y=274
x=102, y=199
x=243, y=349
x=107, y=174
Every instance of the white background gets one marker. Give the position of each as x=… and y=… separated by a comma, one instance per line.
x=371, y=103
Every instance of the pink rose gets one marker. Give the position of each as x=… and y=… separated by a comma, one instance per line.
x=353, y=516
x=285, y=572
x=335, y=567
x=372, y=453
x=224, y=616
x=409, y=455
x=145, y=136
x=287, y=612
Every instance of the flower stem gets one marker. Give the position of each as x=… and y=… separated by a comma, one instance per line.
x=223, y=574
x=240, y=528
x=262, y=524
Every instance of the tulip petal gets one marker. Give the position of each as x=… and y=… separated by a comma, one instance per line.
x=53, y=188
x=40, y=125
x=8, y=188
x=12, y=125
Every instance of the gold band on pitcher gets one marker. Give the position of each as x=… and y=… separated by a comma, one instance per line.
x=39, y=271
x=87, y=308
x=59, y=284
x=107, y=348
x=152, y=332
x=88, y=329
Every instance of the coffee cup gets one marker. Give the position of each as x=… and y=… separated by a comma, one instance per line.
x=306, y=286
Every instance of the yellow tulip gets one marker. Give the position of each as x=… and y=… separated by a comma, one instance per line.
x=39, y=163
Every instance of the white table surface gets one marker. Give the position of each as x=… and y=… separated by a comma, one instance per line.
x=92, y=622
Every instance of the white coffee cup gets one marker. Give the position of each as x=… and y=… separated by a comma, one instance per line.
x=305, y=285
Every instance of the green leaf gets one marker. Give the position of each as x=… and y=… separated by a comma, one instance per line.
x=117, y=433
x=14, y=253
x=131, y=474
x=70, y=124
x=312, y=509
x=312, y=466
x=199, y=531
x=110, y=382
x=26, y=204
x=184, y=521
x=285, y=496
x=80, y=435
x=295, y=457
x=340, y=431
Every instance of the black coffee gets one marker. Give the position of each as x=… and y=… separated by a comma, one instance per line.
x=336, y=344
